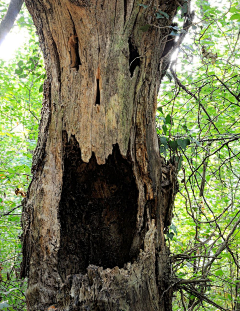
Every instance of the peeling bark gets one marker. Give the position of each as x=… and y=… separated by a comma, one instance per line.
x=95, y=213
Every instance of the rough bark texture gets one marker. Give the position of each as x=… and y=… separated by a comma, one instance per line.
x=98, y=203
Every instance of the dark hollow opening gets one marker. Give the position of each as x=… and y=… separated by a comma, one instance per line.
x=77, y=60
x=97, y=211
x=98, y=94
x=134, y=59
x=125, y=10
x=77, y=53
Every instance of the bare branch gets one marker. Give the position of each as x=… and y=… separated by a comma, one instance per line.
x=202, y=297
x=194, y=281
x=193, y=95
x=10, y=17
x=221, y=247
x=12, y=210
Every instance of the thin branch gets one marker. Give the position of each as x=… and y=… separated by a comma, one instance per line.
x=221, y=247
x=223, y=145
x=182, y=298
x=193, y=95
x=202, y=297
x=195, y=281
x=12, y=210
x=227, y=88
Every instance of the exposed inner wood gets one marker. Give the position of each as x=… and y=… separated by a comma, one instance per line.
x=73, y=49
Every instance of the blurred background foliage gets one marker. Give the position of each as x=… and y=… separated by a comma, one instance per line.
x=198, y=126
x=21, y=80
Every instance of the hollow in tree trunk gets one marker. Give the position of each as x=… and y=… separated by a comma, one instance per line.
x=96, y=209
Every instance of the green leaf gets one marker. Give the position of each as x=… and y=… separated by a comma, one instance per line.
x=160, y=109
x=164, y=14
x=21, y=19
x=233, y=10
x=173, y=145
x=168, y=119
x=23, y=75
x=170, y=235
x=145, y=6
x=183, y=143
x=163, y=150
x=235, y=16
x=12, y=171
x=158, y=15
x=179, y=162
x=163, y=140
x=184, y=9
x=19, y=71
x=41, y=88
x=174, y=228
x=145, y=28
x=219, y=272
x=174, y=33
x=164, y=129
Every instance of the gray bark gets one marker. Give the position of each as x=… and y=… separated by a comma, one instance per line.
x=10, y=17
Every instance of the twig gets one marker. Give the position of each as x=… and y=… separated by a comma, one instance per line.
x=203, y=297
x=8, y=213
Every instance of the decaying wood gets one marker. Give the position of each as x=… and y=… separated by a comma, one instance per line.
x=73, y=49
x=96, y=209
x=132, y=287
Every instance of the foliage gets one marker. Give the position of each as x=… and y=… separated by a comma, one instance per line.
x=20, y=102
x=198, y=121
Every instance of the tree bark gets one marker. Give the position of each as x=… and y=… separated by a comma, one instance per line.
x=96, y=209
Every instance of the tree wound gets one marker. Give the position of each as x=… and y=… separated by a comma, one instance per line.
x=73, y=49
x=134, y=59
x=98, y=94
x=97, y=211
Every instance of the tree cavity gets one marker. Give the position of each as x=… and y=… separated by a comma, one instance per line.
x=97, y=211
x=134, y=59
x=97, y=102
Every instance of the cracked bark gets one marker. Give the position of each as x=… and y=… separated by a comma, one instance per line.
x=95, y=211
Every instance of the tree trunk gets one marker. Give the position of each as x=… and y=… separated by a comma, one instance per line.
x=95, y=211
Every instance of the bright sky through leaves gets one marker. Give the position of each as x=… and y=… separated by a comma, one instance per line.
x=13, y=41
